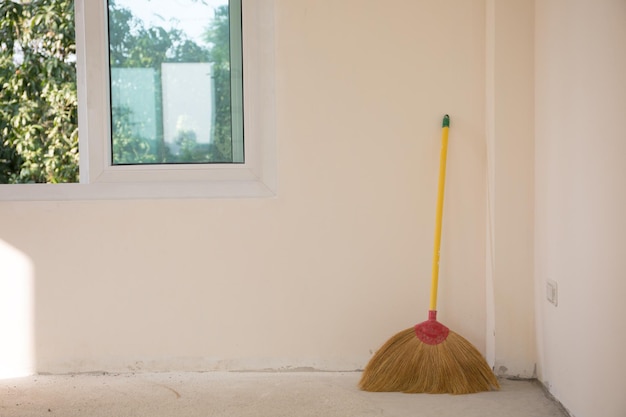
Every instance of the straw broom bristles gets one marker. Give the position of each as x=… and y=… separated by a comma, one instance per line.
x=406, y=364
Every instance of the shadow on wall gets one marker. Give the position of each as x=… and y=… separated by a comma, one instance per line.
x=17, y=352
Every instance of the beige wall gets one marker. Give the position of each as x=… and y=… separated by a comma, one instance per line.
x=321, y=275
x=581, y=201
x=510, y=144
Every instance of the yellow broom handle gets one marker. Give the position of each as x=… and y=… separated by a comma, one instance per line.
x=442, y=181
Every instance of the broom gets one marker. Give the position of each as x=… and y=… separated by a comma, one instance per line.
x=429, y=357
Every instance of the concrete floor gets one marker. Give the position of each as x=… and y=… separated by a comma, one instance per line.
x=235, y=394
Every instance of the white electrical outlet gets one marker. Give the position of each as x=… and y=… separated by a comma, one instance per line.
x=552, y=292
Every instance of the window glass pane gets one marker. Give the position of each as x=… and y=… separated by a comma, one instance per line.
x=175, y=81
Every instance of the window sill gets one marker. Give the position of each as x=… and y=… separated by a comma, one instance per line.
x=136, y=190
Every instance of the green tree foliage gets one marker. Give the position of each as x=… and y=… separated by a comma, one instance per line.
x=38, y=106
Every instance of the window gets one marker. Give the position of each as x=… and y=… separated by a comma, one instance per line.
x=182, y=157
x=176, y=87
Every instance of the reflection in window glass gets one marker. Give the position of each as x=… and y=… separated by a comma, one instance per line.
x=176, y=81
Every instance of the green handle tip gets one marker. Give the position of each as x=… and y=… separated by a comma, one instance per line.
x=446, y=121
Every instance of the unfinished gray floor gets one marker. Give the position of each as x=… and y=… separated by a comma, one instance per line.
x=252, y=394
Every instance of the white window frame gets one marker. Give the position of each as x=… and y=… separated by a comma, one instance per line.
x=99, y=179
